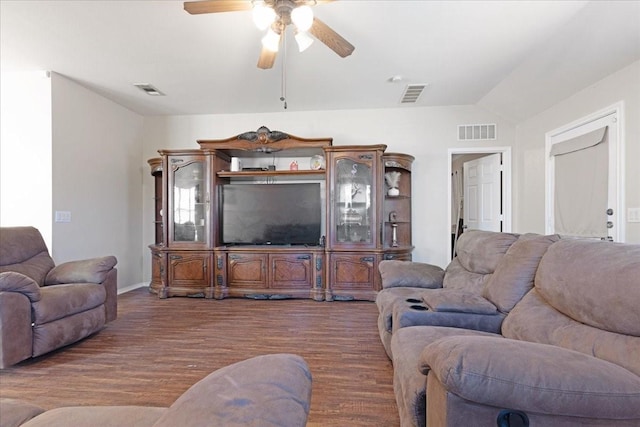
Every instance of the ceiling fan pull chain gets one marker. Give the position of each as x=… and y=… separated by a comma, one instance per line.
x=283, y=96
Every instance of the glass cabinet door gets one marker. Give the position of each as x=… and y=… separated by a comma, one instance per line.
x=189, y=207
x=354, y=201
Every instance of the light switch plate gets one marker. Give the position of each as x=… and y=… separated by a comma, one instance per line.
x=63, y=216
x=633, y=215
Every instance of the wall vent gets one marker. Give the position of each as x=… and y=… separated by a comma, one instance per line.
x=149, y=89
x=477, y=132
x=412, y=93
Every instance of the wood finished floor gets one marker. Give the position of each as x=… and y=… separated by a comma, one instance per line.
x=156, y=349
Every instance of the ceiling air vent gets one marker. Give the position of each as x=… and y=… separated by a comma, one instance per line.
x=149, y=89
x=412, y=93
x=476, y=132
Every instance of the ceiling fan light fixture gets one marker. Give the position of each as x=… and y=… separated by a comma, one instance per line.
x=303, y=40
x=302, y=17
x=263, y=16
x=271, y=40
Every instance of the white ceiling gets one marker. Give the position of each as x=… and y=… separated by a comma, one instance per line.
x=516, y=58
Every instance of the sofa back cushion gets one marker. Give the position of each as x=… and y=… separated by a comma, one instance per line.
x=478, y=254
x=593, y=282
x=514, y=275
x=23, y=250
x=586, y=298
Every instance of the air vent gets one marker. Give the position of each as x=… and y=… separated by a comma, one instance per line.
x=149, y=89
x=412, y=93
x=476, y=132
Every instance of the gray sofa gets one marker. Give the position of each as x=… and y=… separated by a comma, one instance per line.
x=43, y=306
x=567, y=353
x=265, y=391
x=490, y=274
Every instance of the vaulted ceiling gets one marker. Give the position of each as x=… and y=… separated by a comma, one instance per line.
x=515, y=58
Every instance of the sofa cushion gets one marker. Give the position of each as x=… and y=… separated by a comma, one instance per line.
x=60, y=301
x=514, y=274
x=481, y=251
x=411, y=274
x=533, y=319
x=85, y=271
x=271, y=390
x=102, y=416
x=452, y=300
x=593, y=282
x=23, y=250
x=35, y=268
x=533, y=377
x=14, y=412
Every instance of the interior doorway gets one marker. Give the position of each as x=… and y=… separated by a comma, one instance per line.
x=481, y=189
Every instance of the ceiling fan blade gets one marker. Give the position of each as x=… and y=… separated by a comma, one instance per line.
x=333, y=40
x=267, y=59
x=216, y=6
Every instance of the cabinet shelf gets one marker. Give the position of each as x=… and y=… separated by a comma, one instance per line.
x=251, y=174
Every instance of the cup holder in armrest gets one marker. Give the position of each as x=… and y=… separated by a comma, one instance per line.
x=418, y=307
x=413, y=300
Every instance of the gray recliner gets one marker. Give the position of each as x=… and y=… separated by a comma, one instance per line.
x=43, y=306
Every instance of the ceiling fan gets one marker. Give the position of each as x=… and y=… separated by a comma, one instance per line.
x=276, y=15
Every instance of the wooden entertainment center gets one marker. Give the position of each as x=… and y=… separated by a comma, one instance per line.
x=365, y=204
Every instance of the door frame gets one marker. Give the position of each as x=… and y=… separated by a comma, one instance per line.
x=506, y=185
x=616, y=147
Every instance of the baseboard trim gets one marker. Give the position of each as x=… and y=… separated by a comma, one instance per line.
x=131, y=288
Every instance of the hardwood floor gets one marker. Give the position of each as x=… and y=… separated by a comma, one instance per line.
x=156, y=349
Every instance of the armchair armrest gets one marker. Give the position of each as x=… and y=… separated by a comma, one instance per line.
x=93, y=270
x=10, y=281
x=532, y=377
x=410, y=274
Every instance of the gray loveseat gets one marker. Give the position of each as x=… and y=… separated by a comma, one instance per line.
x=43, y=306
x=265, y=391
x=567, y=353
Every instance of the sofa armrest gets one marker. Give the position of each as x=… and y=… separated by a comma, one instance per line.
x=10, y=281
x=93, y=270
x=266, y=391
x=532, y=377
x=410, y=274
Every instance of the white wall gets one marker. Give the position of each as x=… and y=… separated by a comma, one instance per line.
x=424, y=132
x=97, y=176
x=25, y=151
x=623, y=85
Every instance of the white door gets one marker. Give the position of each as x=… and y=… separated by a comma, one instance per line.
x=591, y=190
x=482, y=203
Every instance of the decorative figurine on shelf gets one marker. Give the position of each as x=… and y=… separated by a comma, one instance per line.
x=393, y=181
x=393, y=217
x=293, y=166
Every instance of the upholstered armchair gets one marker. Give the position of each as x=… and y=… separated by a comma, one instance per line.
x=43, y=306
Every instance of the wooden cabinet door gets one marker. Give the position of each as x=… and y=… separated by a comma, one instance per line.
x=189, y=269
x=353, y=271
x=247, y=270
x=291, y=271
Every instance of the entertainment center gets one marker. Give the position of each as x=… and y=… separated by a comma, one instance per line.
x=269, y=215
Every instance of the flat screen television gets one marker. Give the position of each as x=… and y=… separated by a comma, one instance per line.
x=271, y=214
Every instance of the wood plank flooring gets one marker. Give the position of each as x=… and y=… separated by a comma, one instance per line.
x=156, y=349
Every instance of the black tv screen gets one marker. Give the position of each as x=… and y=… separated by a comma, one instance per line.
x=271, y=214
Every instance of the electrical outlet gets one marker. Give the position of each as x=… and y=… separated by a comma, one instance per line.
x=633, y=215
x=63, y=216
